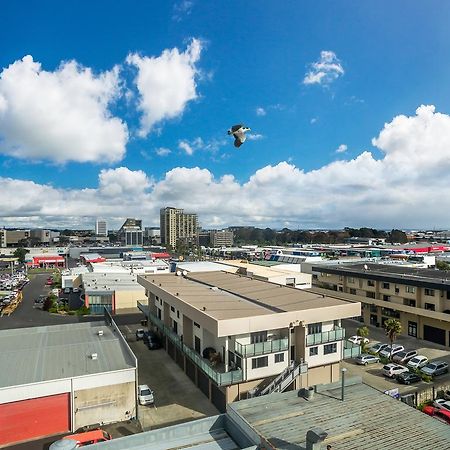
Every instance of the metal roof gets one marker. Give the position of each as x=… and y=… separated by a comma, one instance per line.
x=32, y=355
x=365, y=420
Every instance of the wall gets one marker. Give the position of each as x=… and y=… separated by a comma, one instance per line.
x=263, y=372
x=129, y=299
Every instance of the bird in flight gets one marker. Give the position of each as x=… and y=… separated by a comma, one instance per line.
x=238, y=132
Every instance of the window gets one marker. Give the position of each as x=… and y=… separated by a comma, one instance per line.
x=385, y=285
x=386, y=298
x=196, y=325
x=315, y=328
x=197, y=345
x=370, y=283
x=172, y=309
x=430, y=306
x=352, y=291
x=175, y=327
x=329, y=348
x=279, y=357
x=429, y=292
x=412, y=329
x=370, y=294
x=178, y=314
x=257, y=363
x=410, y=289
x=409, y=302
x=350, y=280
x=159, y=313
x=313, y=351
x=261, y=336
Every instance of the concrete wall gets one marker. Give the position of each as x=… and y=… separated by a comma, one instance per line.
x=129, y=299
x=273, y=368
x=104, y=404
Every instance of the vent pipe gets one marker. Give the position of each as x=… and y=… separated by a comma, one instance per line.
x=314, y=438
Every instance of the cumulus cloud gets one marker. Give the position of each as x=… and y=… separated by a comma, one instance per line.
x=61, y=115
x=342, y=148
x=324, y=71
x=186, y=147
x=254, y=136
x=194, y=145
x=162, y=151
x=385, y=192
x=166, y=84
x=260, y=111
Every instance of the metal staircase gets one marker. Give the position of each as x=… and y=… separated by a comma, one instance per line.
x=282, y=381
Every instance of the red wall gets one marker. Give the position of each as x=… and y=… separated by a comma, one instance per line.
x=34, y=418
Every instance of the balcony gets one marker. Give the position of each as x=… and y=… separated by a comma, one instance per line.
x=221, y=379
x=262, y=348
x=327, y=336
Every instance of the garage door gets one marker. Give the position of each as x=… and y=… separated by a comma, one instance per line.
x=434, y=334
x=30, y=419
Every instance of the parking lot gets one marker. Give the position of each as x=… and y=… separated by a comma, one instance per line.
x=372, y=374
x=176, y=398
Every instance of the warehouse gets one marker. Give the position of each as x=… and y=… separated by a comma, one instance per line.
x=56, y=379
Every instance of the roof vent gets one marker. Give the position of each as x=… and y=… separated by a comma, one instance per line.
x=204, y=308
x=94, y=356
x=100, y=332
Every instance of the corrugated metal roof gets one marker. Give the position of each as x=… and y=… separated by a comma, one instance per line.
x=31, y=355
x=366, y=420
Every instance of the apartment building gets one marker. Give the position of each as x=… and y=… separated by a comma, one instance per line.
x=230, y=333
x=222, y=238
x=176, y=225
x=419, y=298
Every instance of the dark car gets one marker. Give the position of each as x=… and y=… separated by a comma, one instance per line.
x=151, y=340
x=408, y=378
x=140, y=334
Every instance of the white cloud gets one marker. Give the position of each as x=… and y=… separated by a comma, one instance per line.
x=61, y=115
x=166, y=84
x=186, y=147
x=260, y=111
x=313, y=120
x=182, y=9
x=194, y=145
x=254, y=136
x=342, y=148
x=162, y=151
x=324, y=71
x=399, y=190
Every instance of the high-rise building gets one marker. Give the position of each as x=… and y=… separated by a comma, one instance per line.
x=222, y=238
x=176, y=226
x=131, y=233
x=100, y=228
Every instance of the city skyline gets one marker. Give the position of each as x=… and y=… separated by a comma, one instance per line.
x=116, y=111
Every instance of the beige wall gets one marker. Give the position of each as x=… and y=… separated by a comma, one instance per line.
x=129, y=299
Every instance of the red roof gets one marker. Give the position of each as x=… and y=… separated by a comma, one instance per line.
x=160, y=255
x=48, y=258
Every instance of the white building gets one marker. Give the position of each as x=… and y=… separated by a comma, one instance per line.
x=101, y=228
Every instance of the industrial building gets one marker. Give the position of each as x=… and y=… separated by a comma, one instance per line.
x=230, y=333
x=419, y=298
x=178, y=226
x=56, y=379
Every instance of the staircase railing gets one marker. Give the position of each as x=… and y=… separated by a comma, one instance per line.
x=282, y=381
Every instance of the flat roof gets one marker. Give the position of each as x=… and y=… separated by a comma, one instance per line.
x=365, y=420
x=37, y=354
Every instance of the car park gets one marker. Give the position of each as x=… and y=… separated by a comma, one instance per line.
x=358, y=340
x=388, y=352
x=404, y=356
x=417, y=362
x=441, y=403
x=376, y=348
x=435, y=368
x=392, y=370
x=365, y=359
x=145, y=395
x=408, y=378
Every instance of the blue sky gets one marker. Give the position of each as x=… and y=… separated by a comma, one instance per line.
x=122, y=108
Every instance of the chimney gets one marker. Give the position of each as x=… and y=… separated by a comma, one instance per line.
x=314, y=438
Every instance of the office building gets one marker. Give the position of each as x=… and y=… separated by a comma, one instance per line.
x=222, y=238
x=13, y=238
x=131, y=234
x=176, y=226
x=101, y=228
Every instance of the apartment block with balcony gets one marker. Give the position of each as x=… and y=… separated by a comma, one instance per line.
x=419, y=298
x=234, y=336
x=177, y=226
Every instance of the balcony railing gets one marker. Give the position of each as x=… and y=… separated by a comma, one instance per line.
x=261, y=348
x=221, y=379
x=327, y=336
x=351, y=350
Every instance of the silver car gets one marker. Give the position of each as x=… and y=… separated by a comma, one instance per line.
x=365, y=359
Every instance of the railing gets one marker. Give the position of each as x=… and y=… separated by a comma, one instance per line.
x=282, y=381
x=261, y=348
x=221, y=379
x=327, y=336
x=351, y=350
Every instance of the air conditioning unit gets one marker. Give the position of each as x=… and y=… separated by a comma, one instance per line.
x=94, y=356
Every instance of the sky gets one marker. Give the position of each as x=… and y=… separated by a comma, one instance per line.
x=116, y=109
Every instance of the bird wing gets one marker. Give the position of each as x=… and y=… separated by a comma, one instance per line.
x=237, y=142
x=236, y=128
x=240, y=135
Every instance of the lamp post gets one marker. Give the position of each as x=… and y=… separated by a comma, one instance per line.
x=343, y=382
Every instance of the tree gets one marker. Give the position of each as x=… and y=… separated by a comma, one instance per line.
x=364, y=333
x=393, y=327
x=442, y=265
x=20, y=253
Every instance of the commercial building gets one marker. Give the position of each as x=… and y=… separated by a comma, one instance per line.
x=56, y=379
x=230, y=333
x=178, y=226
x=222, y=238
x=12, y=238
x=41, y=236
x=153, y=235
x=419, y=298
x=131, y=234
x=101, y=228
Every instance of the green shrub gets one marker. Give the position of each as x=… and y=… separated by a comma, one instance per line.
x=384, y=360
x=426, y=378
x=82, y=311
x=53, y=309
x=48, y=303
x=71, y=313
x=420, y=406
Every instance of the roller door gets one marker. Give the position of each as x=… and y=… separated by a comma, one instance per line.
x=34, y=418
x=433, y=334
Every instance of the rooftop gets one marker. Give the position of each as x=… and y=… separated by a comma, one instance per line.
x=54, y=352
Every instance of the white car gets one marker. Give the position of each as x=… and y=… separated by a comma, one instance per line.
x=386, y=353
x=392, y=370
x=441, y=403
x=145, y=395
x=358, y=340
x=417, y=362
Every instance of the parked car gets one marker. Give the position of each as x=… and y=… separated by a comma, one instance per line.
x=139, y=334
x=151, y=340
x=435, y=368
x=358, y=340
x=145, y=395
x=446, y=394
x=443, y=415
x=81, y=439
x=408, y=378
x=75, y=290
x=417, y=362
x=441, y=403
x=404, y=356
x=365, y=359
x=387, y=353
x=392, y=370
x=66, y=290
x=376, y=348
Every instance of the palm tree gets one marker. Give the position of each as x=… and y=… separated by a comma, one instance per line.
x=364, y=333
x=393, y=327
